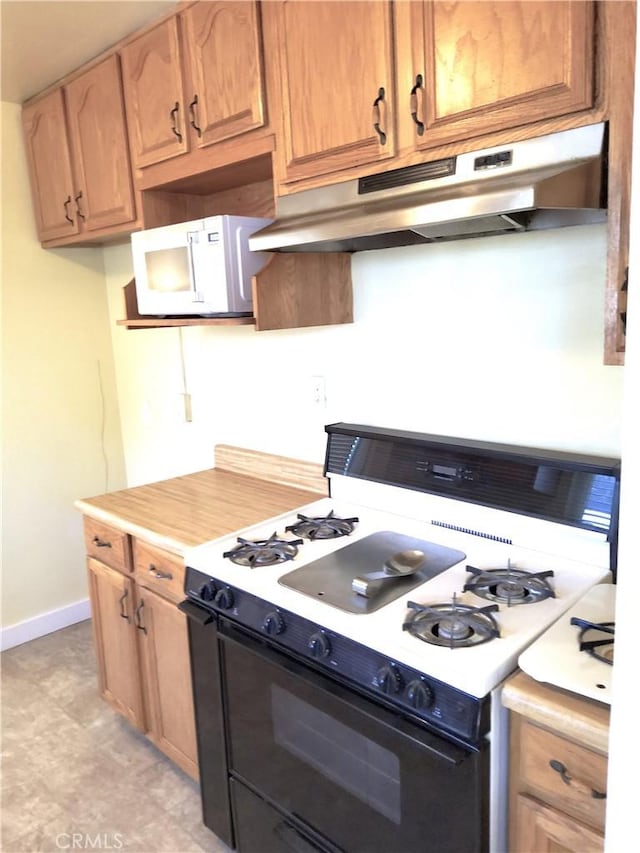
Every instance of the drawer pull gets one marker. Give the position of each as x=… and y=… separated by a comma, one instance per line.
x=566, y=777
x=159, y=575
x=100, y=543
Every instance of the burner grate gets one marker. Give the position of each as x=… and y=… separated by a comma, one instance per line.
x=596, y=638
x=454, y=625
x=263, y=552
x=510, y=585
x=323, y=527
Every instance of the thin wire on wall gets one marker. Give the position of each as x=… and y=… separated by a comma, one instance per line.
x=103, y=428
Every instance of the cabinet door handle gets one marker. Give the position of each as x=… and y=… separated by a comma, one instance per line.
x=138, y=617
x=160, y=575
x=101, y=543
x=579, y=785
x=78, y=211
x=123, y=613
x=66, y=210
x=173, y=115
x=193, y=112
x=377, y=117
x=414, y=104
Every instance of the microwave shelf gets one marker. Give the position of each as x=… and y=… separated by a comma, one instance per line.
x=292, y=291
x=135, y=320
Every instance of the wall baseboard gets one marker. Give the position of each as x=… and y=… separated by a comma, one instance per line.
x=45, y=623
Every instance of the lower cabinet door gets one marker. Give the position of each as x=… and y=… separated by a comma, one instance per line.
x=112, y=608
x=164, y=645
x=542, y=829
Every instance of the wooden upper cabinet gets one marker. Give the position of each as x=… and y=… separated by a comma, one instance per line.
x=337, y=84
x=99, y=149
x=47, y=146
x=476, y=68
x=153, y=90
x=223, y=53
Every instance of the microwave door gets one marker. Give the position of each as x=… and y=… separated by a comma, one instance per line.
x=164, y=272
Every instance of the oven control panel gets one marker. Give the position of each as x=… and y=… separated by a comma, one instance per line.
x=391, y=682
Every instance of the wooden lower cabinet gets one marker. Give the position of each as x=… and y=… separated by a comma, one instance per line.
x=557, y=769
x=113, y=611
x=141, y=641
x=164, y=647
x=543, y=829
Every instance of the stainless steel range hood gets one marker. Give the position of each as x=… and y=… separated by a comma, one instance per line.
x=546, y=182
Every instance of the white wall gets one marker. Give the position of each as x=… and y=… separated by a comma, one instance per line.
x=498, y=338
x=61, y=434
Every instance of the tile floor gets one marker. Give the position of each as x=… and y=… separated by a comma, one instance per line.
x=75, y=775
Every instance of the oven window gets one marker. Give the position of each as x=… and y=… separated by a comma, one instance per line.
x=362, y=767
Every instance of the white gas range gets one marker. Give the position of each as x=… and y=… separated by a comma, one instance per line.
x=506, y=541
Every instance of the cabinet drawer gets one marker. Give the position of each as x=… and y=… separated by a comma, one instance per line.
x=158, y=570
x=578, y=788
x=107, y=544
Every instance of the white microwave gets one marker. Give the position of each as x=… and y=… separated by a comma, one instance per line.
x=200, y=268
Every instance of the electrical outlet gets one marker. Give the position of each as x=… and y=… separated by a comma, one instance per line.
x=318, y=392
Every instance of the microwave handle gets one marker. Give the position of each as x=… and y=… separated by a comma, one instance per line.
x=192, y=237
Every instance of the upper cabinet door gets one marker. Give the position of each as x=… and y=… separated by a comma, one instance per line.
x=223, y=50
x=337, y=83
x=495, y=65
x=98, y=136
x=153, y=90
x=45, y=133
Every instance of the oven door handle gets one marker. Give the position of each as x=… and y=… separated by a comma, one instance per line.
x=437, y=745
x=198, y=614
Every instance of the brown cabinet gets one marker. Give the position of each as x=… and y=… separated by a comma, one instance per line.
x=49, y=159
x=336, y=84
x=558, y=769
x=193, y=80
x=79, y=158
x=141, y=638
x=468, y=69
x=366, y=82
x=113, y=610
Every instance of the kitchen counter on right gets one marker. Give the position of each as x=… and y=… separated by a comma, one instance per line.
x=558, y=760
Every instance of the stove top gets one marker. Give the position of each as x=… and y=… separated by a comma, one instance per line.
x=476, y=669
x=415, y=524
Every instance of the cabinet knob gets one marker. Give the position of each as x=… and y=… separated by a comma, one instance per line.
x=123, y=613
x=100, y=543
x=377, y=119
x=414, y=104
x=78, y=211
x=578, y=784
x=138, y=617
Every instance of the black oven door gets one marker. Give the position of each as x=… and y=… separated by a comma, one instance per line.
x=315, y=765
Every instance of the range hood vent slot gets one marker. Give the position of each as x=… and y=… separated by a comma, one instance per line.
x=547, y=182
x=407, y=175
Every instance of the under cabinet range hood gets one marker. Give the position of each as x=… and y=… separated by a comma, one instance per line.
x=546, y=182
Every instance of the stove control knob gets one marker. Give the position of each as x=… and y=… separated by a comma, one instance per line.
x=419, y=694
x=319, y=645
x=224, y=598
x=388, y=679
x=207, y=591
x=273, y=624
